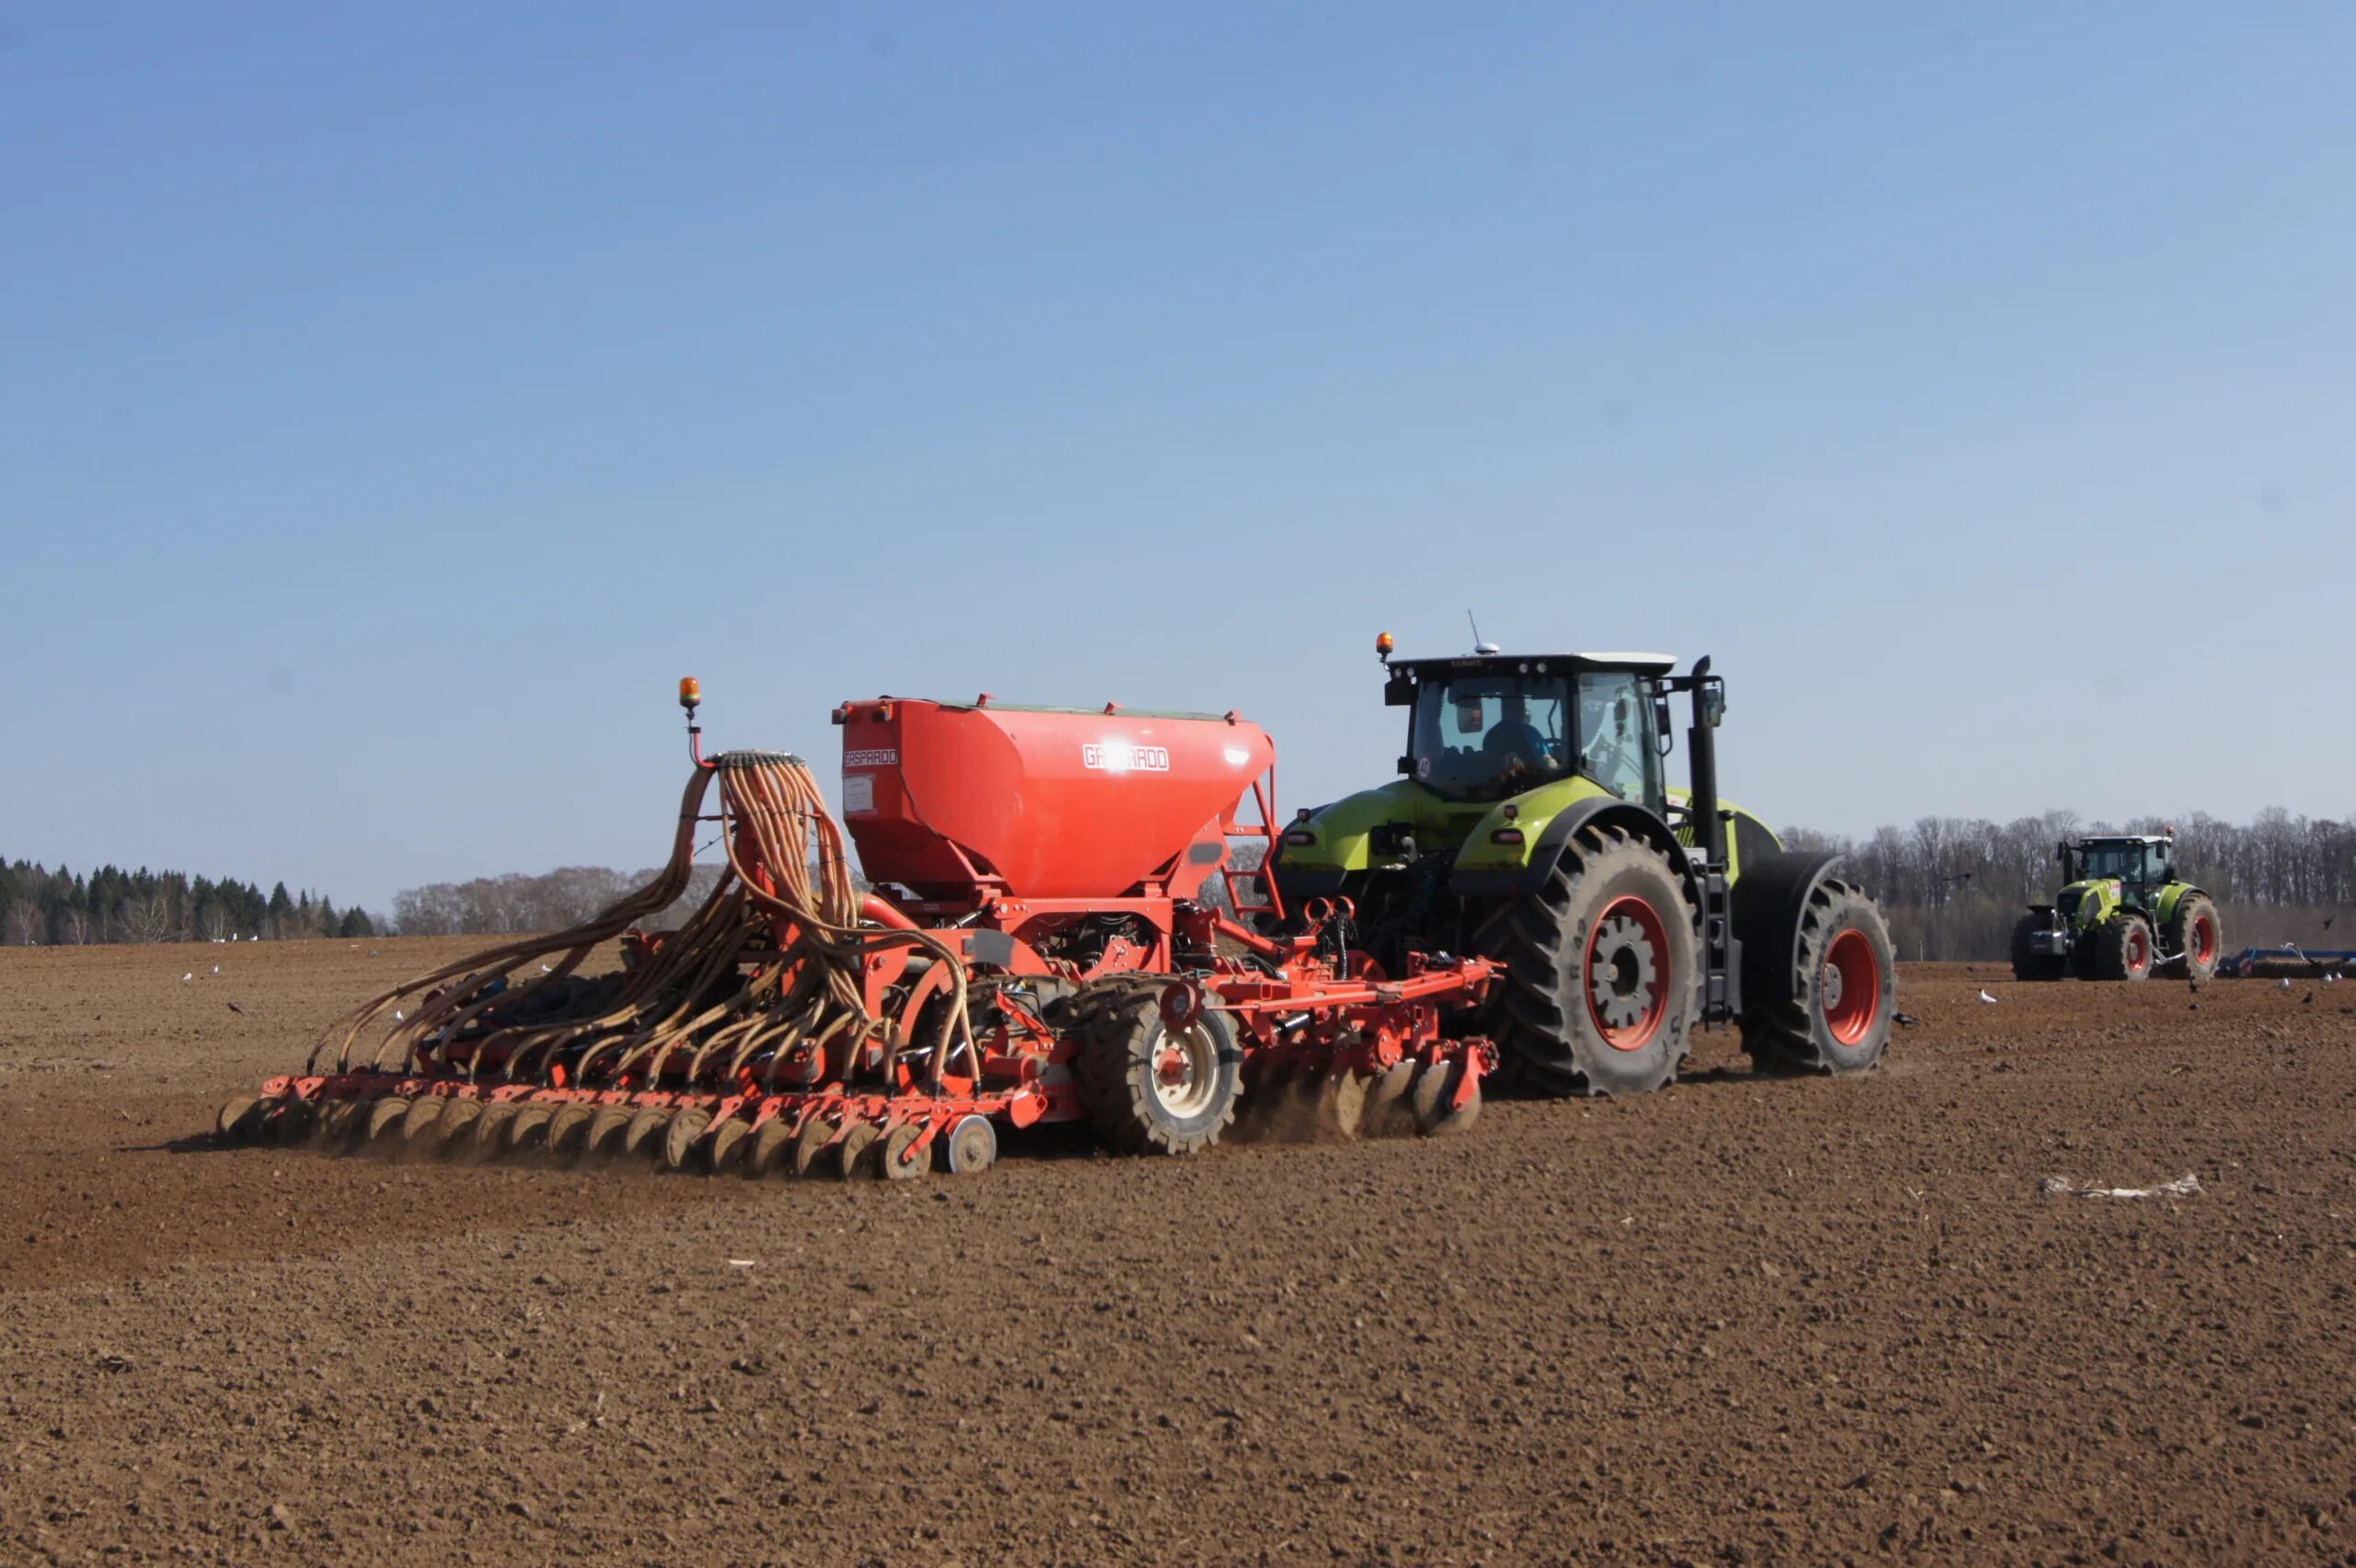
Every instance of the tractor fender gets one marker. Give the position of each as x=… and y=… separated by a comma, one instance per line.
x=1767, y=902
x=1595, y=811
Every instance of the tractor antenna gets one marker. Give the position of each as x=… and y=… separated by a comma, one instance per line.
x=1479, y=645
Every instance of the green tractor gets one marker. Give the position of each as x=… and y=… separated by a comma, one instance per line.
x=2122, y=915
x=1533, y=825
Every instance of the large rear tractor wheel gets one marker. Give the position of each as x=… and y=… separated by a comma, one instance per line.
x=2194, y=931
x=2027, y=962
x=1601, y=972
x=2123, y=949
x=1153, y=1088
x=1840, y=1022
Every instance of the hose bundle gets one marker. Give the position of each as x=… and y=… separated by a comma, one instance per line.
x=690, y=1014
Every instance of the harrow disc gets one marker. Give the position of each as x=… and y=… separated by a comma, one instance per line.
x=487, y=1136
x=680, y=1138
x=418, y=1124
x=340, y=1124
x=241, y=1120
x=1341, y=1103
x=896, y=1166
x=457, y=1118
x=852, y=1152
x=607, y=1128
x=727, y=1143
x=1387, y=1113
x=970, y=1147
x=644, y=1126
x=296, y=1121
x=768, y=1154
x=528, y=1126
x=383, y=1117
x=568, y=1129
x=1435, y=1087
x=813, y=1140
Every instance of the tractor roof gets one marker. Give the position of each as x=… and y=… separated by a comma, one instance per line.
x=1642, y=663
x=2088, y=840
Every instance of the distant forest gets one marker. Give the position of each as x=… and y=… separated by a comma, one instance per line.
x=63, y=908
x=1952, y=887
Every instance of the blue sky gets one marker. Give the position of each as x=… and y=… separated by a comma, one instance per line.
x=395, y=400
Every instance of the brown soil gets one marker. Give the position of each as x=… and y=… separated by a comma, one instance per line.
x=1739, y=1320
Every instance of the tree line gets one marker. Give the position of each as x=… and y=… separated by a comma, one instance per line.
x=1953, y=887
x=63, y=908
x=516, y=904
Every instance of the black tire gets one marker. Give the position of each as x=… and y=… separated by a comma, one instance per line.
x=2031, y=966
x=2123, y=949
x=1840, y=1020
x=1601, y=972
x=1121, y=1080
x=2201, y=947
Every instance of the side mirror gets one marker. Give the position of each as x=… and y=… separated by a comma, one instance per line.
x=1714, y=703
x=1406, y=765
x=1398, y=691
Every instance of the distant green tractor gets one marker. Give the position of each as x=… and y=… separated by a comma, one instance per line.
x=2124, y=915
x=1534, y=825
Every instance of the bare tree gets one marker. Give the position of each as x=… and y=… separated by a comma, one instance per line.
x=149, y=920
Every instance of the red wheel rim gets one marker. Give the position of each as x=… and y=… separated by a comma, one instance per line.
x=1624, y=973
x=2139, y=950
x=2204, y=939
x=1850, y=987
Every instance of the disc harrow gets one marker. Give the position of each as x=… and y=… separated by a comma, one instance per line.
x=792, y=1024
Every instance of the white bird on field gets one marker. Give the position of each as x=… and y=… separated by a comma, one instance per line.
x=217, y=969
x=2283, y=985
x=400, y=1017
x=545, y=970
x=1984, y=996
x=189, y=977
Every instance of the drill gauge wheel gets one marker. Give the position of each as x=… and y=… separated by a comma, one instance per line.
x=893, y=1156
x=970, y=1148
x=645, y=1131
x=727, y=1144
x=680, y=1138
x=852, y=1155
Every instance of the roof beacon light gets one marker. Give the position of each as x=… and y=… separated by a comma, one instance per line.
x=690, y=692
x=1382, y=646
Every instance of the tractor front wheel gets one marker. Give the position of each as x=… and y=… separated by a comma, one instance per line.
x=1839, y=1021
x=2123, y=949
x=2028, y=963
x=1601, y=972
x=2193, y=932
x=1153, y=1088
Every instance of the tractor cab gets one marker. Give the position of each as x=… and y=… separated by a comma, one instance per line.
x=1490, y=727
x=2136, y=860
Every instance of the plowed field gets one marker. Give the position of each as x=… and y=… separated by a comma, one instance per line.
x=1739, y=1320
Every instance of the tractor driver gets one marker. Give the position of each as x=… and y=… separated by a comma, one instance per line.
x=1514, y=747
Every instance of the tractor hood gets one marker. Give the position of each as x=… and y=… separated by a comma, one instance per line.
x=2090, y=902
